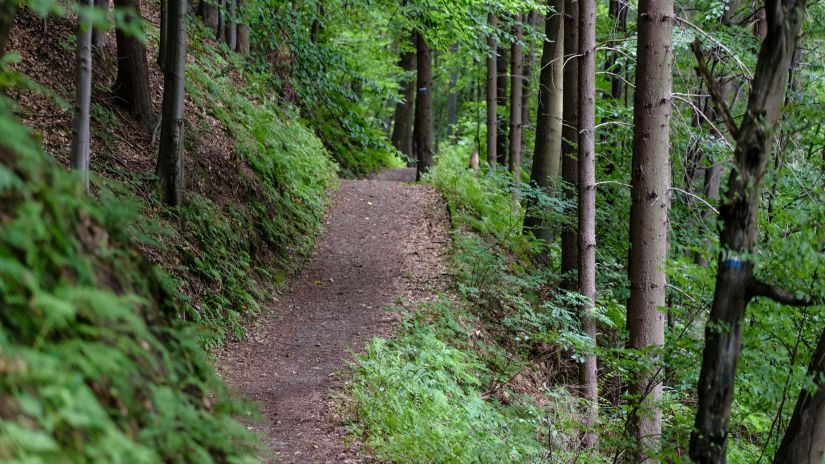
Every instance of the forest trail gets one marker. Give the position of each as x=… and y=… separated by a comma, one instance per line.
x=385, y=239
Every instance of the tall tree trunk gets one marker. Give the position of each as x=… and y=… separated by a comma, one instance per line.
x=492, y=93
x=587, y=205
x=221, y=29
x=164, y=36
x=402, y=133
x=712, y=181
x=242, y=46
x=452, y=105
x=211, y=14
x=650, y=181
x=83, y=97
x=516, y=81
x=170, y=158
x=570, y=142
x=99, y=34
x=618, y=13
x=423, y=106
x=527, y=79
x=501, y=99
x=738, y=218
x=547, y=152
x=132, y=82
x=231, y=27
x=804, y=440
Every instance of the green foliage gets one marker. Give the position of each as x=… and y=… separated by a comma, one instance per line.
x=96, y=366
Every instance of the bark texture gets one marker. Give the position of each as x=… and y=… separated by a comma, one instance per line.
x=242, y=46
x=570, y=142
x=132, y=82
x=516, y=81
x=738, y=218
x=804, y=440
x=650, y=181
x=83, y=96
x=170, y=157
x=423, y=106
x=501, y=100
x=402, y=131
x=587, y=205
x=491, y=93
x=230, y=35
x=547, y=151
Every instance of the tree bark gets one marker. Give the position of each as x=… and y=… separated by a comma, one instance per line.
x=804, y=439
x=618, y=13
x=164, y=36
x=423, y=106
x=170, y=158
x=501, y=100
x=242, y=46
x=738, y=218
x=587, y=205
x=402, y=133
x=491, y=93
x=570, y=142
x=83, y=97
x=231, y=27
x=527, y=79
x=8, y=11
x=547, y=151
x=221, y=29
x=132, y=82
x=98, y=34
x=516, y=81
x=650, y=181
x=210, y=13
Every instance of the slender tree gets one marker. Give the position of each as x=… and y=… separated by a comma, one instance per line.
x=547, y=152
x=502, y=85
x=617, y=9
x=83, y=97
x=423, y=106
x=132, y=82
x=242, y=46
x=170, y=158
x=527, y=72
x=164, y=36
x=402, y=132
x=736, y=283
x=230, y=35
x=491, y=92
x=650, y=181
x=587, y=204
x=570, y=142
x=516, y=81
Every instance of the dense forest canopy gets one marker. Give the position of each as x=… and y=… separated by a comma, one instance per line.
x=636, y=190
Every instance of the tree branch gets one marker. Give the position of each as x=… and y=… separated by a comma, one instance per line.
x=759, y=288
x=715, y=93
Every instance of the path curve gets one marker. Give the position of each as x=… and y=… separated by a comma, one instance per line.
x=385, y=239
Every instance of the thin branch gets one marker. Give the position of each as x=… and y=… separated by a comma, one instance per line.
x=719, y=44
x=715, y=93
x=693, y=195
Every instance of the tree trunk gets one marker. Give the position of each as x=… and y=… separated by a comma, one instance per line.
x=570, y=142
x=650, y=181
x=170, y=158
x=164, y=36
x=804, y=440
x=423, y=106
x=132, y=82
x=211, y=14
x=452, y=105
x=712, y=181
x=516, y=81
x=82, y=101
x=738, y=218
x=231, y=27
x=491, y=94
x=242, y=46
x=587, y=205
x=547, y=151
x=8, y=10
x=98, y=34
x=618, y=13
x=527, y=79
x=219, y=31
x=501, y=101
x=402, y=133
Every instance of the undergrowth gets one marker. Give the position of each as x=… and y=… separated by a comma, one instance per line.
x=475, y=377
x=95, y=365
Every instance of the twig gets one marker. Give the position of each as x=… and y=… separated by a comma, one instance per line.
x=715, y=93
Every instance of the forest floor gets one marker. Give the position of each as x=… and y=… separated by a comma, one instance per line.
x=384, y=244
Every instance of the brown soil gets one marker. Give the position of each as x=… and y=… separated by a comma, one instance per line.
x=385, y=240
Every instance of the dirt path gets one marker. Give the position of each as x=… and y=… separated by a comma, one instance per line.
x=384, y=240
